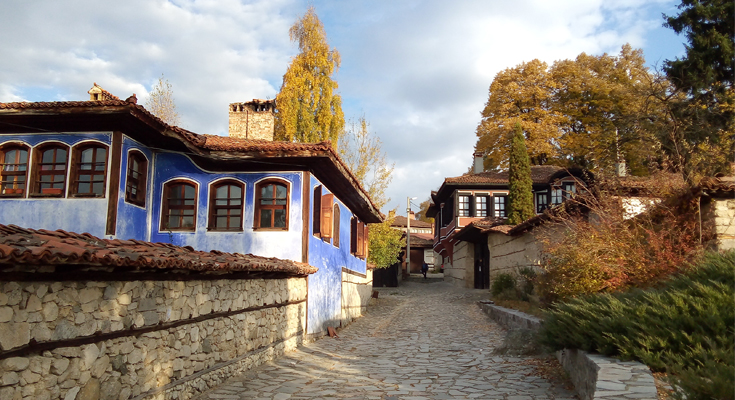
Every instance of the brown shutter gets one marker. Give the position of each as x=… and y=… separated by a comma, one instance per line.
x=366, y=238
x=360, y=239
x=353, y=235
x=326, y=206
x=316, y=223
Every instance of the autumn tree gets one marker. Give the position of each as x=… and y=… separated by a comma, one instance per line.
x=385, y=243
x=363, y=153
x=161, y=103
x=522, y=95
x=423, y=208
x=308, y=109
x=520, y=185
x=589, y=112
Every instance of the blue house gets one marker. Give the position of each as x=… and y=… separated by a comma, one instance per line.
x=111, y=168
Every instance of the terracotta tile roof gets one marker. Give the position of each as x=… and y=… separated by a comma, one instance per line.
x=421, y=240
x=203, y=143
x=662, y=183
x=401, y=221
x=539, y=174
x=42, y=247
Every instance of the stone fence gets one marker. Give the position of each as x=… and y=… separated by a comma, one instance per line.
x=594, y=376
x=158, y=337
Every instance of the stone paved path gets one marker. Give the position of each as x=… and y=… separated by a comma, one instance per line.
x=419, y=341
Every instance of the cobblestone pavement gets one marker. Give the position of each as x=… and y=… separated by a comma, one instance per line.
x=419, y=341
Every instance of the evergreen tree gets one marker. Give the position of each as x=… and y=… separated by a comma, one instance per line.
x=308, y=109
x=519, y=177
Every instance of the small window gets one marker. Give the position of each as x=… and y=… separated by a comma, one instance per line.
x=13, y=170
x=569, y=189
x=335, y=228
x=317, y=220
x=542, y=202
x=556, y=196
x=50, y=170
x=225, y=206
x=481, y=206
x=464, y=206
x=135, y=182
x=499, y=203
x=179, y=206
x=327, y=203
x=271, y=205
x=89, y=170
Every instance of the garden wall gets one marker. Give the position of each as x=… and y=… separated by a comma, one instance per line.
x=461, y=266
x=357, y=289
x=724, y=216
x=508, y=253
x=167, y=336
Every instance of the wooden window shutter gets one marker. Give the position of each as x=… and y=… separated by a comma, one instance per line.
x=366, y=243
x=360, y=239
x=353, y=235
x=473, y=206
x=317, y=220
x=326, y=206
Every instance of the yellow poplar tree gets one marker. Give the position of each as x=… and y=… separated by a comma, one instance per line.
x=308, y=109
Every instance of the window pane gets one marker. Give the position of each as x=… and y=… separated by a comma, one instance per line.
x=235, y=192
x=48, y=156
x=280, y=218
x=98, y=188
x=265, y=218
x=189, y=192
x=235, y=222
x=221, y=222
x=221, y=192
x=266, y=192
x=281, y=192
x=87, y=156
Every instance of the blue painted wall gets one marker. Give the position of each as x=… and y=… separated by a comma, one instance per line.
x=74, y=215
x=132, y=220
x=280, y=244
x=324, y=305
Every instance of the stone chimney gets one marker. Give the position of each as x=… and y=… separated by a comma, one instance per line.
x=412, y=216
x=253, y=119
x=99, y=94
x=477, y=166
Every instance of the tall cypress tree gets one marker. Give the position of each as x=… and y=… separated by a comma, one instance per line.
x=519, y=177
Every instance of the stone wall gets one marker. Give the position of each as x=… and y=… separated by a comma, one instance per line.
x=724, y=217
x=252, y=120
x=509, y=253
x=148, y=339
x=356, y=292
x=462, y=265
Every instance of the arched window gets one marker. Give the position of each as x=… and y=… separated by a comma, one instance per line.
x=135, y=181
x=50, y=170
x=89, y=163
x=335, y=228
x=179, y=211
x=225, y=206
x=271, y=205
x=13, y=170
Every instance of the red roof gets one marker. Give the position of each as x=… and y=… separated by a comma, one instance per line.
x=539, y=174
x=401, y=221
x=204, y=144
x=42, y=247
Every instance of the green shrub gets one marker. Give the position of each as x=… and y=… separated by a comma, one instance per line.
x=686, y=327
x=503, y=283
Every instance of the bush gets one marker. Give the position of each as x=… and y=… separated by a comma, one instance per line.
x=599, y=250
x=686, y=327
x=503, y=284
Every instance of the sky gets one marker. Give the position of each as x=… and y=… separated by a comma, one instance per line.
x=417, y=70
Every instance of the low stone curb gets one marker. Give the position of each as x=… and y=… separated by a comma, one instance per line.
x=594, y=376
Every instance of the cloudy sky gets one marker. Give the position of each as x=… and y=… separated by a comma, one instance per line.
x=418, y=70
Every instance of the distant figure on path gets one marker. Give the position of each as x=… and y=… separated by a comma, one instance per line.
x=424, y=269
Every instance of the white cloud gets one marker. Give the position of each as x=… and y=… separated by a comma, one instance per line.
x=418, y=69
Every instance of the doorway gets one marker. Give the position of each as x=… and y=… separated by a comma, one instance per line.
x=482, y=266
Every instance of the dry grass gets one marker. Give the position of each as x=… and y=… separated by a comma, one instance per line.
x=522, y=306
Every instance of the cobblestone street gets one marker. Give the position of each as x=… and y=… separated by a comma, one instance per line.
x=419, y=341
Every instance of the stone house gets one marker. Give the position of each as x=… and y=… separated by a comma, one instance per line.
x=481, y=198
x=110, y=168
x=83, y=317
